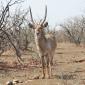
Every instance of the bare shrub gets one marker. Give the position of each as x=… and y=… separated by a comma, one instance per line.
x=74, y=29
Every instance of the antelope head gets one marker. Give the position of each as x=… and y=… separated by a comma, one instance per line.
x=38, y=27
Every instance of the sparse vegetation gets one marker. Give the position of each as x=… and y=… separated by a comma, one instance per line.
x=25, y=67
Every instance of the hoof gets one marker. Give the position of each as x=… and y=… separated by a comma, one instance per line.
x=43, y=77
x=48, y=77
x=36, y=77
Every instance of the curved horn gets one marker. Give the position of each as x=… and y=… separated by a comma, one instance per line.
x=31, y=15
x=45, y=14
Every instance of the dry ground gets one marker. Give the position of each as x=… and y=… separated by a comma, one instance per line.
x=68, y=68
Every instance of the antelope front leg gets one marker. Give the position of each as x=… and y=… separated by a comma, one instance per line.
x=50, y=64
x=50, y=70
x=47, y=62
x=43, y=67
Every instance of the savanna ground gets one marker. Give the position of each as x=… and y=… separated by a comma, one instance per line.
x=68, y=68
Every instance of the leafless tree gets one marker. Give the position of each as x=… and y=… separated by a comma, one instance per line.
x=18, y=27
x=74, y=29
x=4, y=25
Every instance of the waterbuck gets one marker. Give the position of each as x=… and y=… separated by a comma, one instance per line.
x=45, y=43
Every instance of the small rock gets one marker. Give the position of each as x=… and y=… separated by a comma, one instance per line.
x=36, y=77
x=9, y=83
x=30, y=80
x=15, y=81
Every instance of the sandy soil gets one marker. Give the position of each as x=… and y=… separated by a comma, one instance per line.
x=68, y=67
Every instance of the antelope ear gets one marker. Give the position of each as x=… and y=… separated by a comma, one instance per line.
x=30, y=25
x=45, y=24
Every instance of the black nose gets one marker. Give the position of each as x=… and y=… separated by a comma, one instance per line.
x=38, y=33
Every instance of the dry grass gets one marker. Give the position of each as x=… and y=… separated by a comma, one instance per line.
x=68, y=68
